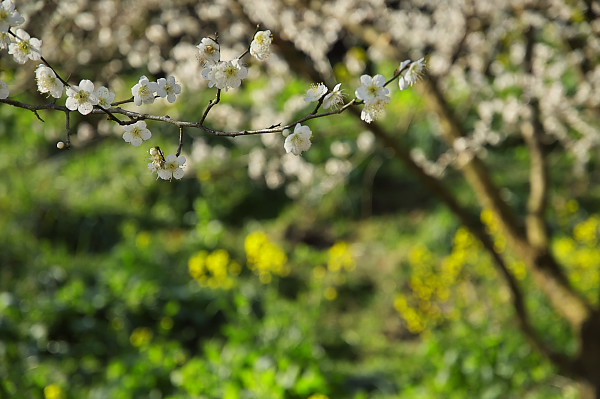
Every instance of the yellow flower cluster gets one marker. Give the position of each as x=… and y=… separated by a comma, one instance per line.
x=214, y=270
x=340, y=262
x=318, y=396
x=264, y=257
x=340, y=258
x=581, y=255
x=53, y=391
x=425, y=306
x=438, y=287
x=586, y=232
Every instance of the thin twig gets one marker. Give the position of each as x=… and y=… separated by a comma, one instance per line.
x=211, y=104
x=68, y=128
x=180, y=141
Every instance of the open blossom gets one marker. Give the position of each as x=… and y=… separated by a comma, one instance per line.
x=414, y=73
x=225, y=74
x=334, y=98
x=298, y=141
x=315, y=92
x=81, y=98
x=48, y=82
x=372, y=111
x=143, y=91
x=170, y=88
x=371, y=88
x=172, y=167
x=136, y=133
x=261, y=45
x=25, y=47
x=3, y=90
x=208, y=51
x=105, y=97
x=9, y=16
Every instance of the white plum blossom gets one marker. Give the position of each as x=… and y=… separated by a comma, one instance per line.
x=48, y=82
x=160, y=90
x=172, y=167
x=225, y=74
x=298, y=141
x=315, y=92
x=334, y=99
x=375, y=95
x=170, y=88
x=3, y=90
x=105, y=97
x=261, y=45
x=143, y=91
x=82, y=97
x=372, y=111
x=25, y=47
x=371, y=88
x=9, y=16
x=208, y=51
x=136, y=133
x=414, y=73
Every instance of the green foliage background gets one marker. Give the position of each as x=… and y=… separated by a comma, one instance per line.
x=97, y=299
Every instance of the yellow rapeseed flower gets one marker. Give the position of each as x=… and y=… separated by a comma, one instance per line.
x=53, y=391
x=215, y=270
x=264, y=257
x=339, y=257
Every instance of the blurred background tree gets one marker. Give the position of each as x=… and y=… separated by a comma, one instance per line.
x=116, y=285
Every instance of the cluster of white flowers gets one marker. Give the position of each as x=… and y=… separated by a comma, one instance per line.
x=315, y=92
x=136, y=133
x=168, y=167
x=208, y=52
x=298, y=141
x=9, y=16
x=48, y=82
x=260, y=48
x=20, y=45
x=331, y=98
x=334, y=98
x=80, y=98
x=145, y=91
x=168, y=88
x=223, y=75
x=413, y=74
x=375, y=96
x=25, y=47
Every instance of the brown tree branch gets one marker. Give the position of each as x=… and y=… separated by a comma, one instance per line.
x=472, y=223
x=474, y=169
x=547, y=272
x=136, y=116
x=532, y=131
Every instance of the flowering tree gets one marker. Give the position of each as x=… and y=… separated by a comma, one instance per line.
x=529, y=73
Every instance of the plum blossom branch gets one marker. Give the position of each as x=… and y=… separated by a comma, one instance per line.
x=88, y=98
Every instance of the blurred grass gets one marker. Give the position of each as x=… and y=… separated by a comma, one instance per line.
x=97, y=301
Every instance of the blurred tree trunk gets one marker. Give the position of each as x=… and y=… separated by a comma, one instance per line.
x=527, y=234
